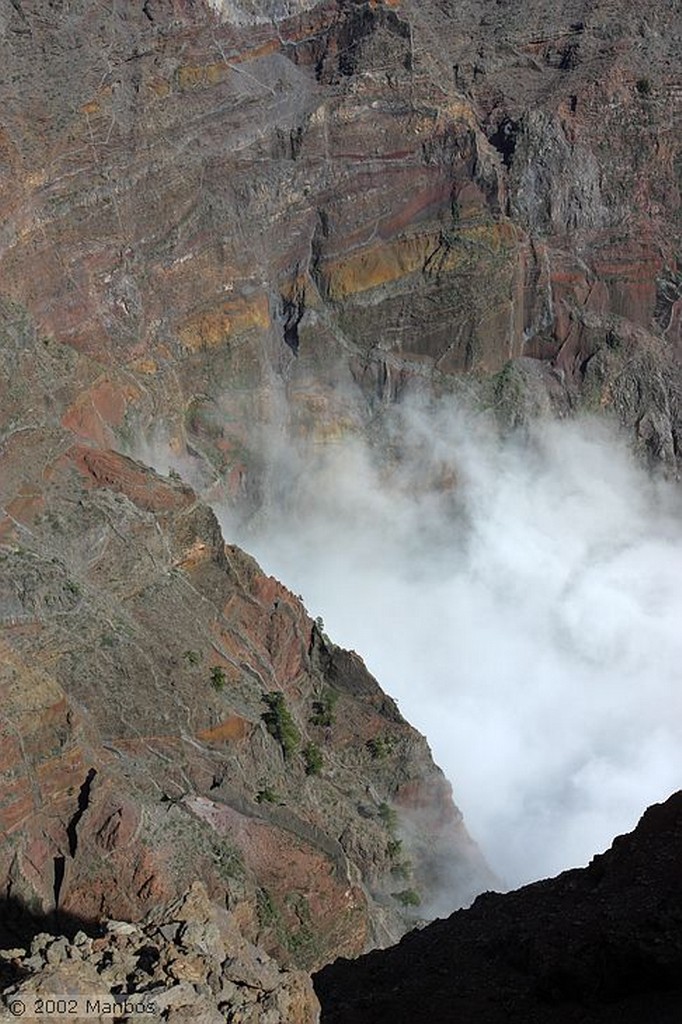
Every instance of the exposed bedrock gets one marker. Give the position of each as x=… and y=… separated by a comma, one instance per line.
x=219, y=218
x=235, y=210
x=597, y=945
x=171, y=713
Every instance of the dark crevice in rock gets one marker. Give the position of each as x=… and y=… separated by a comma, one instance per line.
x=567, y=58
x=342, y=55
x=504, y=139
x=320, y=233
x=59, y=870
x=293, y=308
x=83, y=802
x=19, y=924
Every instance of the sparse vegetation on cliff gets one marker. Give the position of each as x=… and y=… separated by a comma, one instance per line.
x=388, y=816
x=312, y=757
x=380, y=747
x=323, y=710
x=280, y=724
x=218, y=678
x=408, y=897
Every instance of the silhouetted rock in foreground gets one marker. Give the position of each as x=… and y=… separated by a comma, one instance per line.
x=596, y=945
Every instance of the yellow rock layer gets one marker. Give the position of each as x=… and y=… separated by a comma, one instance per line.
x=147, y=366
x=381, y=264
x=197, y=554
x=192, y=76
x=215, y=327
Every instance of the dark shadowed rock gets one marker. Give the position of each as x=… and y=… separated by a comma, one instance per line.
x=597, y=945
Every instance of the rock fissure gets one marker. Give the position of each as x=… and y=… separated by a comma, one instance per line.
x=84, y=795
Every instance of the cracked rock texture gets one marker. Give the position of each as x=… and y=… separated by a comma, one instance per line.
x=186, y=961
x=218, y=219
x=238, y=214
x=139, y=746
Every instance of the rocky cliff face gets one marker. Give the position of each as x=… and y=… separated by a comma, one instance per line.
x=256, y=214
x=598, y=945
x=595, y=945
x=219, y=219
x=171, y=713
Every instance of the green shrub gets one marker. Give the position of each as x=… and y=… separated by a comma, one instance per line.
x=218, y=678
x=266, y=909
x=380, y=747
x=402, y=870
x=408, y=897
x=394, y=848
x=643, y=86
x=191, y=657
x=323, y=709
x=388, y=816
x=312, y=756
x=266, y=796
x=279, y=723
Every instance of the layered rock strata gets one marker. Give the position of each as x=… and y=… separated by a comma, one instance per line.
x=256, y=214
x=169, y=712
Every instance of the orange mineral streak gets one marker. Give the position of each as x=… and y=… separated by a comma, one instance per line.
x=144, y=489
x=215, y=327
x=230, y=729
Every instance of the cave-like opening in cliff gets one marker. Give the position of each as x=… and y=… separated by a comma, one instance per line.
x=504, y=139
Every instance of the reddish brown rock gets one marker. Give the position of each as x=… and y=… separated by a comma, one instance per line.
x=137, y=650
x=214, y=227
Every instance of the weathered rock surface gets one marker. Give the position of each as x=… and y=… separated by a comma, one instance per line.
x=247, y=214
x=597, y=945
x=140, y=748
x=220, y=218
x=185, y=961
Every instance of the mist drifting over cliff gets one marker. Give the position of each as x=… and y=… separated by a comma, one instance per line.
x=521, y=598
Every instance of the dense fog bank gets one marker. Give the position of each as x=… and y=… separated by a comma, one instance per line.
x=521, y=599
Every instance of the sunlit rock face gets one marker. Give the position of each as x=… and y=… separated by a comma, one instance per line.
x=221, y=218
x=245, y=213
x=143, y=748
x=186, y=957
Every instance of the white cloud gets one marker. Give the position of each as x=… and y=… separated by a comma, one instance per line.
x=522, y=600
